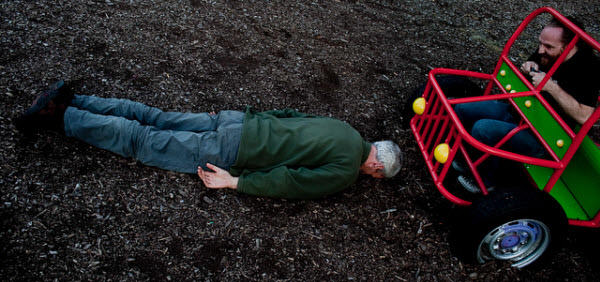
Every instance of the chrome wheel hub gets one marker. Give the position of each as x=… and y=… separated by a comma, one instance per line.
x=520, y=241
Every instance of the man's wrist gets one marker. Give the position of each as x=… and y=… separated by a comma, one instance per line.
x=553, y=85
x=234, y=182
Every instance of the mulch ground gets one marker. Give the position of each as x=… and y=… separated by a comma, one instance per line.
x=69, y=211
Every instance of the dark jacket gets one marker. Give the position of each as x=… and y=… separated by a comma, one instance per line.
x=287, y=154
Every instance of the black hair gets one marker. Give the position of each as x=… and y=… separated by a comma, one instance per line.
x=567, y=34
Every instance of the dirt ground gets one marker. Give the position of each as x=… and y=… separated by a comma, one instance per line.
x=69, y=211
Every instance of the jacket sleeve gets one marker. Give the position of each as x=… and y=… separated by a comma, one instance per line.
x=287, y=113
x=298, y=183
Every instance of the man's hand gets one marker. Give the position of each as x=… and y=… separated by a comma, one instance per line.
x=528, y=66
x=536, y=78
x=579, y=112
x=220, y=178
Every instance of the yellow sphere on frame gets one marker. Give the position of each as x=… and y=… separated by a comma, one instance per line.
x=419, y=105
x=441, y=152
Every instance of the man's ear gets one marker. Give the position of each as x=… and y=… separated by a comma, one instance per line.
x=376, y=165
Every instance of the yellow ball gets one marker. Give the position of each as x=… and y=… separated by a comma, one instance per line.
x=560, y=143
x=502, y=72
x=419, y=105
x=528, y=103
x=441, y=153
x=508, y=87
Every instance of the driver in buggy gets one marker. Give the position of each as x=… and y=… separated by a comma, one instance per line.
x=572, y=92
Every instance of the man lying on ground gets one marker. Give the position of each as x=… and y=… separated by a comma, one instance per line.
x=283, y=154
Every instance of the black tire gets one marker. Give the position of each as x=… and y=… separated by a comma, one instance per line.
x=519, y=225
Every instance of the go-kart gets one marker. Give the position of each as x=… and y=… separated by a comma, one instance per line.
x=519, y=223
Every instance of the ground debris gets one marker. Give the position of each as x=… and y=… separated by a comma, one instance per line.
x=70, y=210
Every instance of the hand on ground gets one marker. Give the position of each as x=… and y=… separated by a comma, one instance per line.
x=220, y=178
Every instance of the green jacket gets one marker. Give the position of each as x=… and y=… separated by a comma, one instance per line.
x=287, y=154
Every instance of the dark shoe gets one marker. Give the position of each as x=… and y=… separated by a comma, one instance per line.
x=459, y=166
x=470, y=184
x=47, y=110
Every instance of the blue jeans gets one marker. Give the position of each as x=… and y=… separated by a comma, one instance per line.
x=168, y=140
x=489, y=122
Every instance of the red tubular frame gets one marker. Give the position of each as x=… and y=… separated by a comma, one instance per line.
x=440, y=123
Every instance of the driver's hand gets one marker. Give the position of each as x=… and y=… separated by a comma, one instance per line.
x=528, y=66
x=536, y=77
x=550, y=86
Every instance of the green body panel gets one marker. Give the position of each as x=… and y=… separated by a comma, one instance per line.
x=583, y=177
x=578, y=190
x=563, y=196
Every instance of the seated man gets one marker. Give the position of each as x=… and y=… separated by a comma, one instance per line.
x=283, y=154
x=572, y=92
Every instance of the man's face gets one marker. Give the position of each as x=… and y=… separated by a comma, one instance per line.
x=376, y=173
x=551, y=45
x=372, y=166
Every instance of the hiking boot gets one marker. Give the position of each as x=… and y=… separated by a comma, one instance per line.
x=470, y=184
x=47, y=110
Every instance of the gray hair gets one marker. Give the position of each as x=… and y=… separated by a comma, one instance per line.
x=390, y=155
